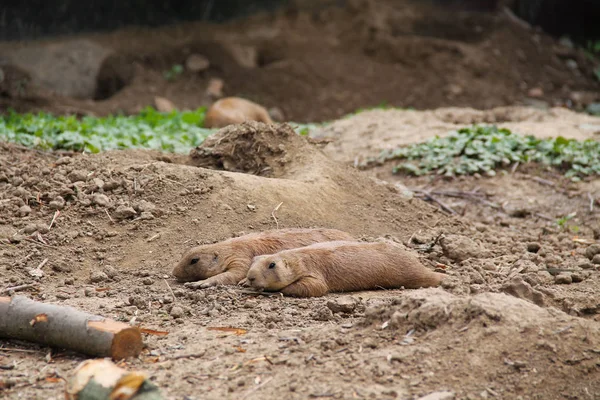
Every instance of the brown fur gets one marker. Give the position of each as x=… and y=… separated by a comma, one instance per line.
x=340, y=266
x=227, y=262
x=234, y=110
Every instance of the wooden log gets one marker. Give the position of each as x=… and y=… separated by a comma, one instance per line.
x=67, y=327
x=101, y=379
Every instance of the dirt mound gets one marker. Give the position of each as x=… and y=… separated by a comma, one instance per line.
x=322, y=61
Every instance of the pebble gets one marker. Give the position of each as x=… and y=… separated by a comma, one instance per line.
x=77, y=176
x=146, y=215
x=89, y=292
x=111, y=185
x=147, y=281
x=459, y=248
x=345, y=304
x=24, y=210
x=62, y=296
x=57, y=204
x=438, y=396
x=63, y=161
x=323, y=314
x=69, y=281
x=98, y=276
x=123, y=212
x=101, y=199
x=563, y=279
x=196, y=63
x=30, y=228
x=592, y=250
x=533, y=247
x=577, y=277
x=177, y=312
x=596, y=259
x=110, y=271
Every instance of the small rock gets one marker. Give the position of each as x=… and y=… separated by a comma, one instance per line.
x=42, y=228
x=24, y=210
x=144, y=205
x=197, y=63
x=596, y=259
x=563, y=279
x=323, y=314
x=29, y=229
x=164, y=105
x=577, y=277
x=277, y=114
x=63, y=161
x=147, y=281
x=521, y=289
x=215, y=88
x=572, y=64
x=77, y=176
x=535, y=92
x=111, y=185
x=98, y=276
x=110, y=271
x=57, y=204
x=438, y=396
x=62, y=296
x=124, y=212
x=89, y=292
x=146, y=215
x=586, y=265
x=98, y=184
x=69, y=281
x=533, y=247
x=251, y=207
x=459, y=248
x=177, y=312
x=17, y=181
x=345, y=304
x=592, y=250
x=101, y=199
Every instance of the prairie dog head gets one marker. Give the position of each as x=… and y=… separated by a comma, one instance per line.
x=198, y=263
x=271, y=272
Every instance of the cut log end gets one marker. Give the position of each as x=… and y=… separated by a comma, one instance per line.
x=127, y=340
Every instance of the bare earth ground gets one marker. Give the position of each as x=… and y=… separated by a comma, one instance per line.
x=506, y=324
x=500, y=327
x=313, y=62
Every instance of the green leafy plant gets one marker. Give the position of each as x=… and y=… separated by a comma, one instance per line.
x=177, y=131
x=174, y=72
x=173, y=132
x=482, y=149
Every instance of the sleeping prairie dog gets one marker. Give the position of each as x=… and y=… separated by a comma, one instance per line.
x=234, y=110
x=340, y=266
x=227, y=262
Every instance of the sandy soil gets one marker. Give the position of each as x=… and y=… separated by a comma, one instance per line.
x=506, y=323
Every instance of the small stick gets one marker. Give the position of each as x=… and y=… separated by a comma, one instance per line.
x=39, y=243
x=543, y=181
x=18, y=288
x=591, y=201
x=10, y=349
x=170, y=290
x=441, y=204
x=192, y=355
x=273, y=214
x=544, y=217
x=109, y=217
x=246, y=291
x=254, y=389
x=514, y=168
x=42, y=263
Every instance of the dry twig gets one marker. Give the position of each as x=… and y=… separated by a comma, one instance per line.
x=273, y=214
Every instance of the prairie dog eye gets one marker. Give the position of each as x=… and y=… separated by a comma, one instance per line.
x=194, y=261
x=272, y=265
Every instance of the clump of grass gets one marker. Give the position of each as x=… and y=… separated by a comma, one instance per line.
x=173, y=132
x=483, y=149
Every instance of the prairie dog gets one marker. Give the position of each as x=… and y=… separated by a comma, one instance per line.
x=234, y=110
x=339, y=266
x=227, y=262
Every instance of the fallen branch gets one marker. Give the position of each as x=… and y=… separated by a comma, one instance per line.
x=273, y=214
x=67, y=327
x=18, y=288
